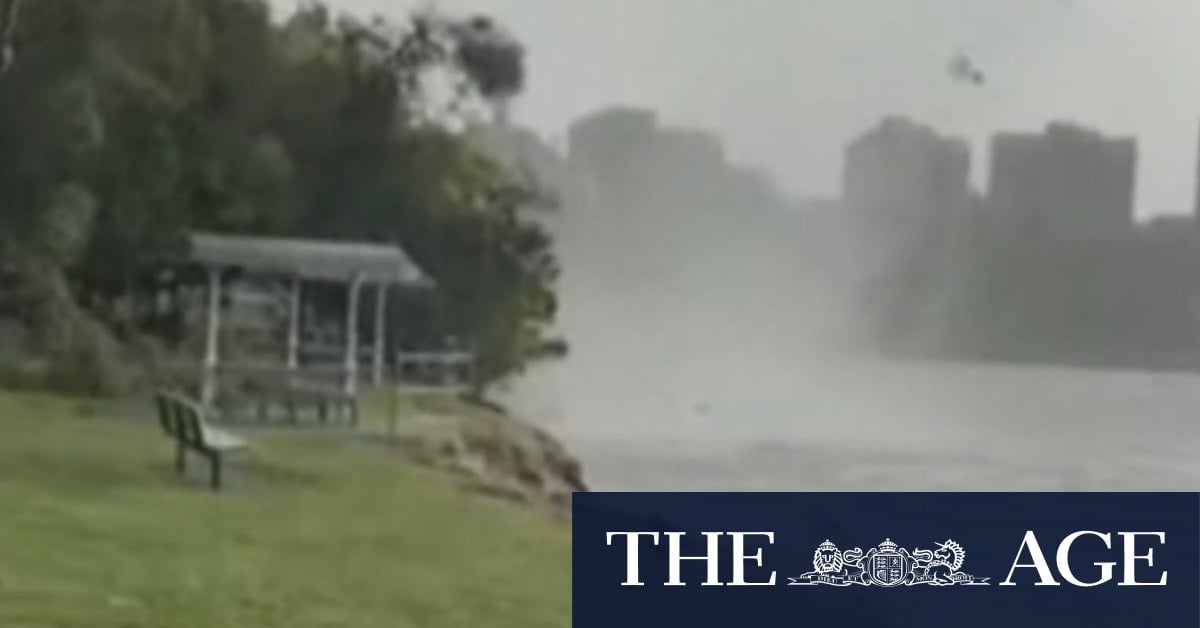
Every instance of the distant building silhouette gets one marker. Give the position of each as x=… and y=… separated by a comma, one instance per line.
x=906, y=194
x=609, y=148
x=903, y=182
x=629, y=159
x=908, y=166
x=661, y=176
x=1050, y=266
x=903, y=187
x=603, y=139
x=689, y=153
x=1068, y=183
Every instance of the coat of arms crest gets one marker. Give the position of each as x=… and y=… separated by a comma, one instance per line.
x=888, y=565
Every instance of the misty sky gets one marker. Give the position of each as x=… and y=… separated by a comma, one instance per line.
x=789, y=82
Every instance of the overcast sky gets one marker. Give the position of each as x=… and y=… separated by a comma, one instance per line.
x=789, y=82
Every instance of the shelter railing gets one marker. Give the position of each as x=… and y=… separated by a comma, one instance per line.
x=417, y=371
x=447, y=370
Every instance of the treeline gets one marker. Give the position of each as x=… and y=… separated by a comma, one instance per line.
x=124, y=123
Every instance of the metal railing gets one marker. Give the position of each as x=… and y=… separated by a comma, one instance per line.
x=448, y=370
x=419, y=371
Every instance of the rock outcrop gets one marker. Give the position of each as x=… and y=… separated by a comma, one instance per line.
x=500, y=455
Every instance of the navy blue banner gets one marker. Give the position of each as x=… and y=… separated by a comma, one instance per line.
x=905, y=560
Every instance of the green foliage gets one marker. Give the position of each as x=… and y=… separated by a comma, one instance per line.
x=123, y=124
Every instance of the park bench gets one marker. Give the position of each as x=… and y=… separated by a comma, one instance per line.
x=183, y=421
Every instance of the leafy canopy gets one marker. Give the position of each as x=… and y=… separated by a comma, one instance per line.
x=125, y=123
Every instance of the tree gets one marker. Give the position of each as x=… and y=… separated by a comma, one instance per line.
x=124, y=124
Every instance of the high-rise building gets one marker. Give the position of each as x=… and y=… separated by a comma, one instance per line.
x=603, y=142
x=903, y=185
x=1068, y=183
x=907, y=199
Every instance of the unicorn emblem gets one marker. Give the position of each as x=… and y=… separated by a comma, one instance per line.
x=940, y=566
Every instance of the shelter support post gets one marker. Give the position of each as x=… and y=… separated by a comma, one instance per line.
x=379, y=338
x=208, y=387
x=350, y=386
x=293, y=337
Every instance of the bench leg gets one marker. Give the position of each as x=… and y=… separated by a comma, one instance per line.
x=215, y=478
x=180, y=458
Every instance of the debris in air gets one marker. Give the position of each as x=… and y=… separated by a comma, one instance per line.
x=963, y=70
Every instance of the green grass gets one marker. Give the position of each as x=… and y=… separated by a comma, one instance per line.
x=96, y=530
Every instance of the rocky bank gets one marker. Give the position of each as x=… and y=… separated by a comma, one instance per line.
x=494, y=452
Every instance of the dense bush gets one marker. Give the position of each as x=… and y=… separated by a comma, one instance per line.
x=124, y=124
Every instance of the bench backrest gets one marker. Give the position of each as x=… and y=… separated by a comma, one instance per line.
x=165, y=405
x=181, y=418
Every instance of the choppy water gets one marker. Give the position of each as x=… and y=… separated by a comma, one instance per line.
x=730, y=422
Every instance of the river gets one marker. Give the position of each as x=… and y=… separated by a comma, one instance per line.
x=740, y=421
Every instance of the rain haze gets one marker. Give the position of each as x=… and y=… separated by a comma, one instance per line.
x=788, y=83
x=700, y=329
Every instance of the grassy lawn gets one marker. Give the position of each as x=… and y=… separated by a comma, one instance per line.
x=315, y=529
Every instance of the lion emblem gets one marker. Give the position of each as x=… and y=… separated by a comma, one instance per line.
x=827, y=559
x=830, y=562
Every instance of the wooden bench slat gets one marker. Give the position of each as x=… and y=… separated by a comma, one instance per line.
x=223, y=441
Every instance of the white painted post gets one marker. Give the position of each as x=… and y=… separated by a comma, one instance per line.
x=351, y=384
x=380, y=315
x=293, y=338
x=208, y=389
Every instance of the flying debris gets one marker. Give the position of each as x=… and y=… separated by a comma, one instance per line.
x=963, y=70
